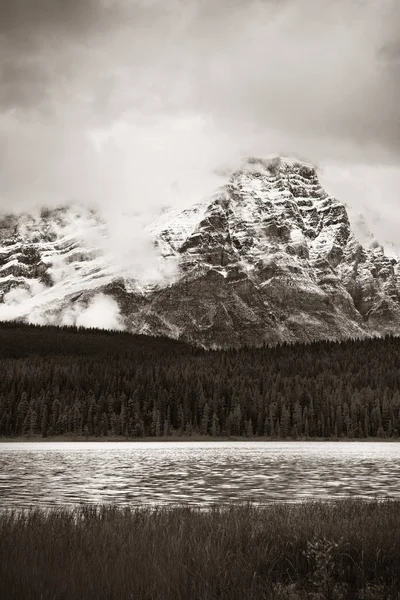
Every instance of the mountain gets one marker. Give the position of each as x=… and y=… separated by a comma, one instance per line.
x=269, y=257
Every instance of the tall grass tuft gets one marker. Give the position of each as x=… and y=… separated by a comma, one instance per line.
x=342, y=550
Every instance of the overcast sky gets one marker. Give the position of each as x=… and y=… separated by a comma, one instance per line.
x=143, y=103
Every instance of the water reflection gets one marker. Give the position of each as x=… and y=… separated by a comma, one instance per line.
x=49, y=474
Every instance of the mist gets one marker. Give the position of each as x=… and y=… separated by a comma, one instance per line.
x=132, y=106
x=102, y=312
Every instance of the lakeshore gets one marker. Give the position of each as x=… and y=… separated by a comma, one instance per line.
x=185, y=438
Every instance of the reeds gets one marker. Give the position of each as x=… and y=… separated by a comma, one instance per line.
x=346, y=549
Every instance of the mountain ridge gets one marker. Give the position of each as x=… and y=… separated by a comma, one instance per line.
x=268, y=257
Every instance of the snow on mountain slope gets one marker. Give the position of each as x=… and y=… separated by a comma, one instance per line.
x=268, y=257
x=45, y=257
x=51, y=259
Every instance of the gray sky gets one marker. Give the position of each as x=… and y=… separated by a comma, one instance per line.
x=141, y=103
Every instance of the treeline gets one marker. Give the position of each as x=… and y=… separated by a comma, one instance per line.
x=78, y=382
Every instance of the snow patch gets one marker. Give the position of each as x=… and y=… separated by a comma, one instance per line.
x=297, y=236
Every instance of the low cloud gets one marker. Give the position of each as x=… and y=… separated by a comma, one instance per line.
x=17, y=301
x=372, y=199
x=132, y=105
x=102, y=312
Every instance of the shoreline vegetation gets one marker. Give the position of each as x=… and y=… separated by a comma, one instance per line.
x=341, y=550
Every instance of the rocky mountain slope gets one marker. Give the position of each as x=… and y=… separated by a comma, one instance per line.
x=269, y=257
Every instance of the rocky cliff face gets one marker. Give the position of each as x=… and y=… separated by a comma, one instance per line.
x=269, y=257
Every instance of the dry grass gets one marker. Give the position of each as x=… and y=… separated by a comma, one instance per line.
x=347, y=549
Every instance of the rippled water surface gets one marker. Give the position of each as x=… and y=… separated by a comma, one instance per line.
x=48, y=474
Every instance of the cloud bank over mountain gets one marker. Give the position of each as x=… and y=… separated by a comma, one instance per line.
x=134, y=105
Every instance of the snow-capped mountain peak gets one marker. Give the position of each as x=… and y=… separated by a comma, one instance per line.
x=270, y=256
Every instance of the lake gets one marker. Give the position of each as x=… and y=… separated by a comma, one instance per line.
x=164, y=473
